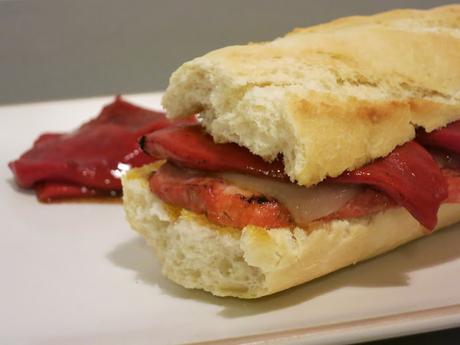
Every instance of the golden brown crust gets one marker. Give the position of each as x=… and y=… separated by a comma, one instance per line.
x=332, y=97
x=442, y=17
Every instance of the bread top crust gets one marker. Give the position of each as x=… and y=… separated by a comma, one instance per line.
x=332, y=97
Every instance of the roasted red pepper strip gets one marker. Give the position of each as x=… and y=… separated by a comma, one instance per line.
x=192, y=147
x=410, y=176
x=60, y=164
x=52, y=191
x=447, y=138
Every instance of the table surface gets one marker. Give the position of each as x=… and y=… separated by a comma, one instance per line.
x=59, y=50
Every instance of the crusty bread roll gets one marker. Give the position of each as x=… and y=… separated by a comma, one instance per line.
x=331, y=97
x=328, y=98
x=255, y=262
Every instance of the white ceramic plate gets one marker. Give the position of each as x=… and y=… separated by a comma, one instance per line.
x=76, y=274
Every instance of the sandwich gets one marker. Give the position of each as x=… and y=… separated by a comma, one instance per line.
x=317, y=150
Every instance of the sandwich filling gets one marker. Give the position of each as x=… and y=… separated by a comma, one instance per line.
x=234, y=187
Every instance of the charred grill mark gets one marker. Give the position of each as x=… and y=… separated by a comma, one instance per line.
x=227, y=216
x=256, y=199
x=142, y=141
x=259, y=199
